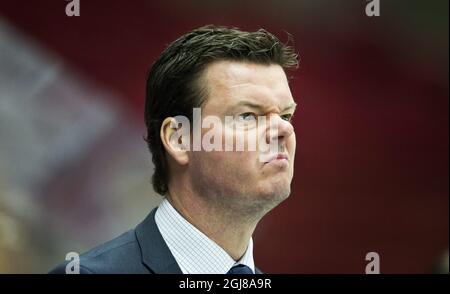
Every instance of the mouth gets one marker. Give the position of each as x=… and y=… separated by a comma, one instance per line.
x=280, y=157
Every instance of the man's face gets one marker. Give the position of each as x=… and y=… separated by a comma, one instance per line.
x=247, y=180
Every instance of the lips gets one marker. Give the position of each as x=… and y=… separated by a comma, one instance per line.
x=275, y=157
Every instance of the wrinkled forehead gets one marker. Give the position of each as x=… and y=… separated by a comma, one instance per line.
x=228, y=82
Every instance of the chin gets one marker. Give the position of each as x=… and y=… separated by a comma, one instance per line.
x=276, y=193
x=261, y=201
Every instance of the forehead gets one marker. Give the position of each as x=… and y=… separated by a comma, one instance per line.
x=228, y=82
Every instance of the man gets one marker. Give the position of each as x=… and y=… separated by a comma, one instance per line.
x=213, y=197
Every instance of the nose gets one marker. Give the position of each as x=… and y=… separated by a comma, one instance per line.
x=279, y=129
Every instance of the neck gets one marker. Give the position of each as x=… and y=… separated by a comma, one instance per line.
x=221, y=225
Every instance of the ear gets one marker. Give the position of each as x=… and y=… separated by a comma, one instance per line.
x=172, y=140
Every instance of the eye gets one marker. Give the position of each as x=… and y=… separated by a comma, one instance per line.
x=287, y=117
x=247, y=117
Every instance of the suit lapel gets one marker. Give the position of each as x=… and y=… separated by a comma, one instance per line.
x=155, y=253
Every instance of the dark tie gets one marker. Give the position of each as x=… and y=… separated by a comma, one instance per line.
x=240, y=269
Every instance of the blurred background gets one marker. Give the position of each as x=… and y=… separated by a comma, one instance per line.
x=372, y=129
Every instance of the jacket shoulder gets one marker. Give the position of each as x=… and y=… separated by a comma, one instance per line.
x=119, y=255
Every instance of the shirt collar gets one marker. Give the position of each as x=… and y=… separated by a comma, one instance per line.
x=194, y=252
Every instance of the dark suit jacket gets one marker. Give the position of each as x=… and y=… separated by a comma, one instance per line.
x=139, y=251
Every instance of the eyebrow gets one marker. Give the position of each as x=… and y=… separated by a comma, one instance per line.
x=250, y=104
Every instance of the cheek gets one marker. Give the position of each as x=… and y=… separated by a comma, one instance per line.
x=231, y=164
x=227, y=172
x=222, y=163
x=231, y=161
x=241, y=138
